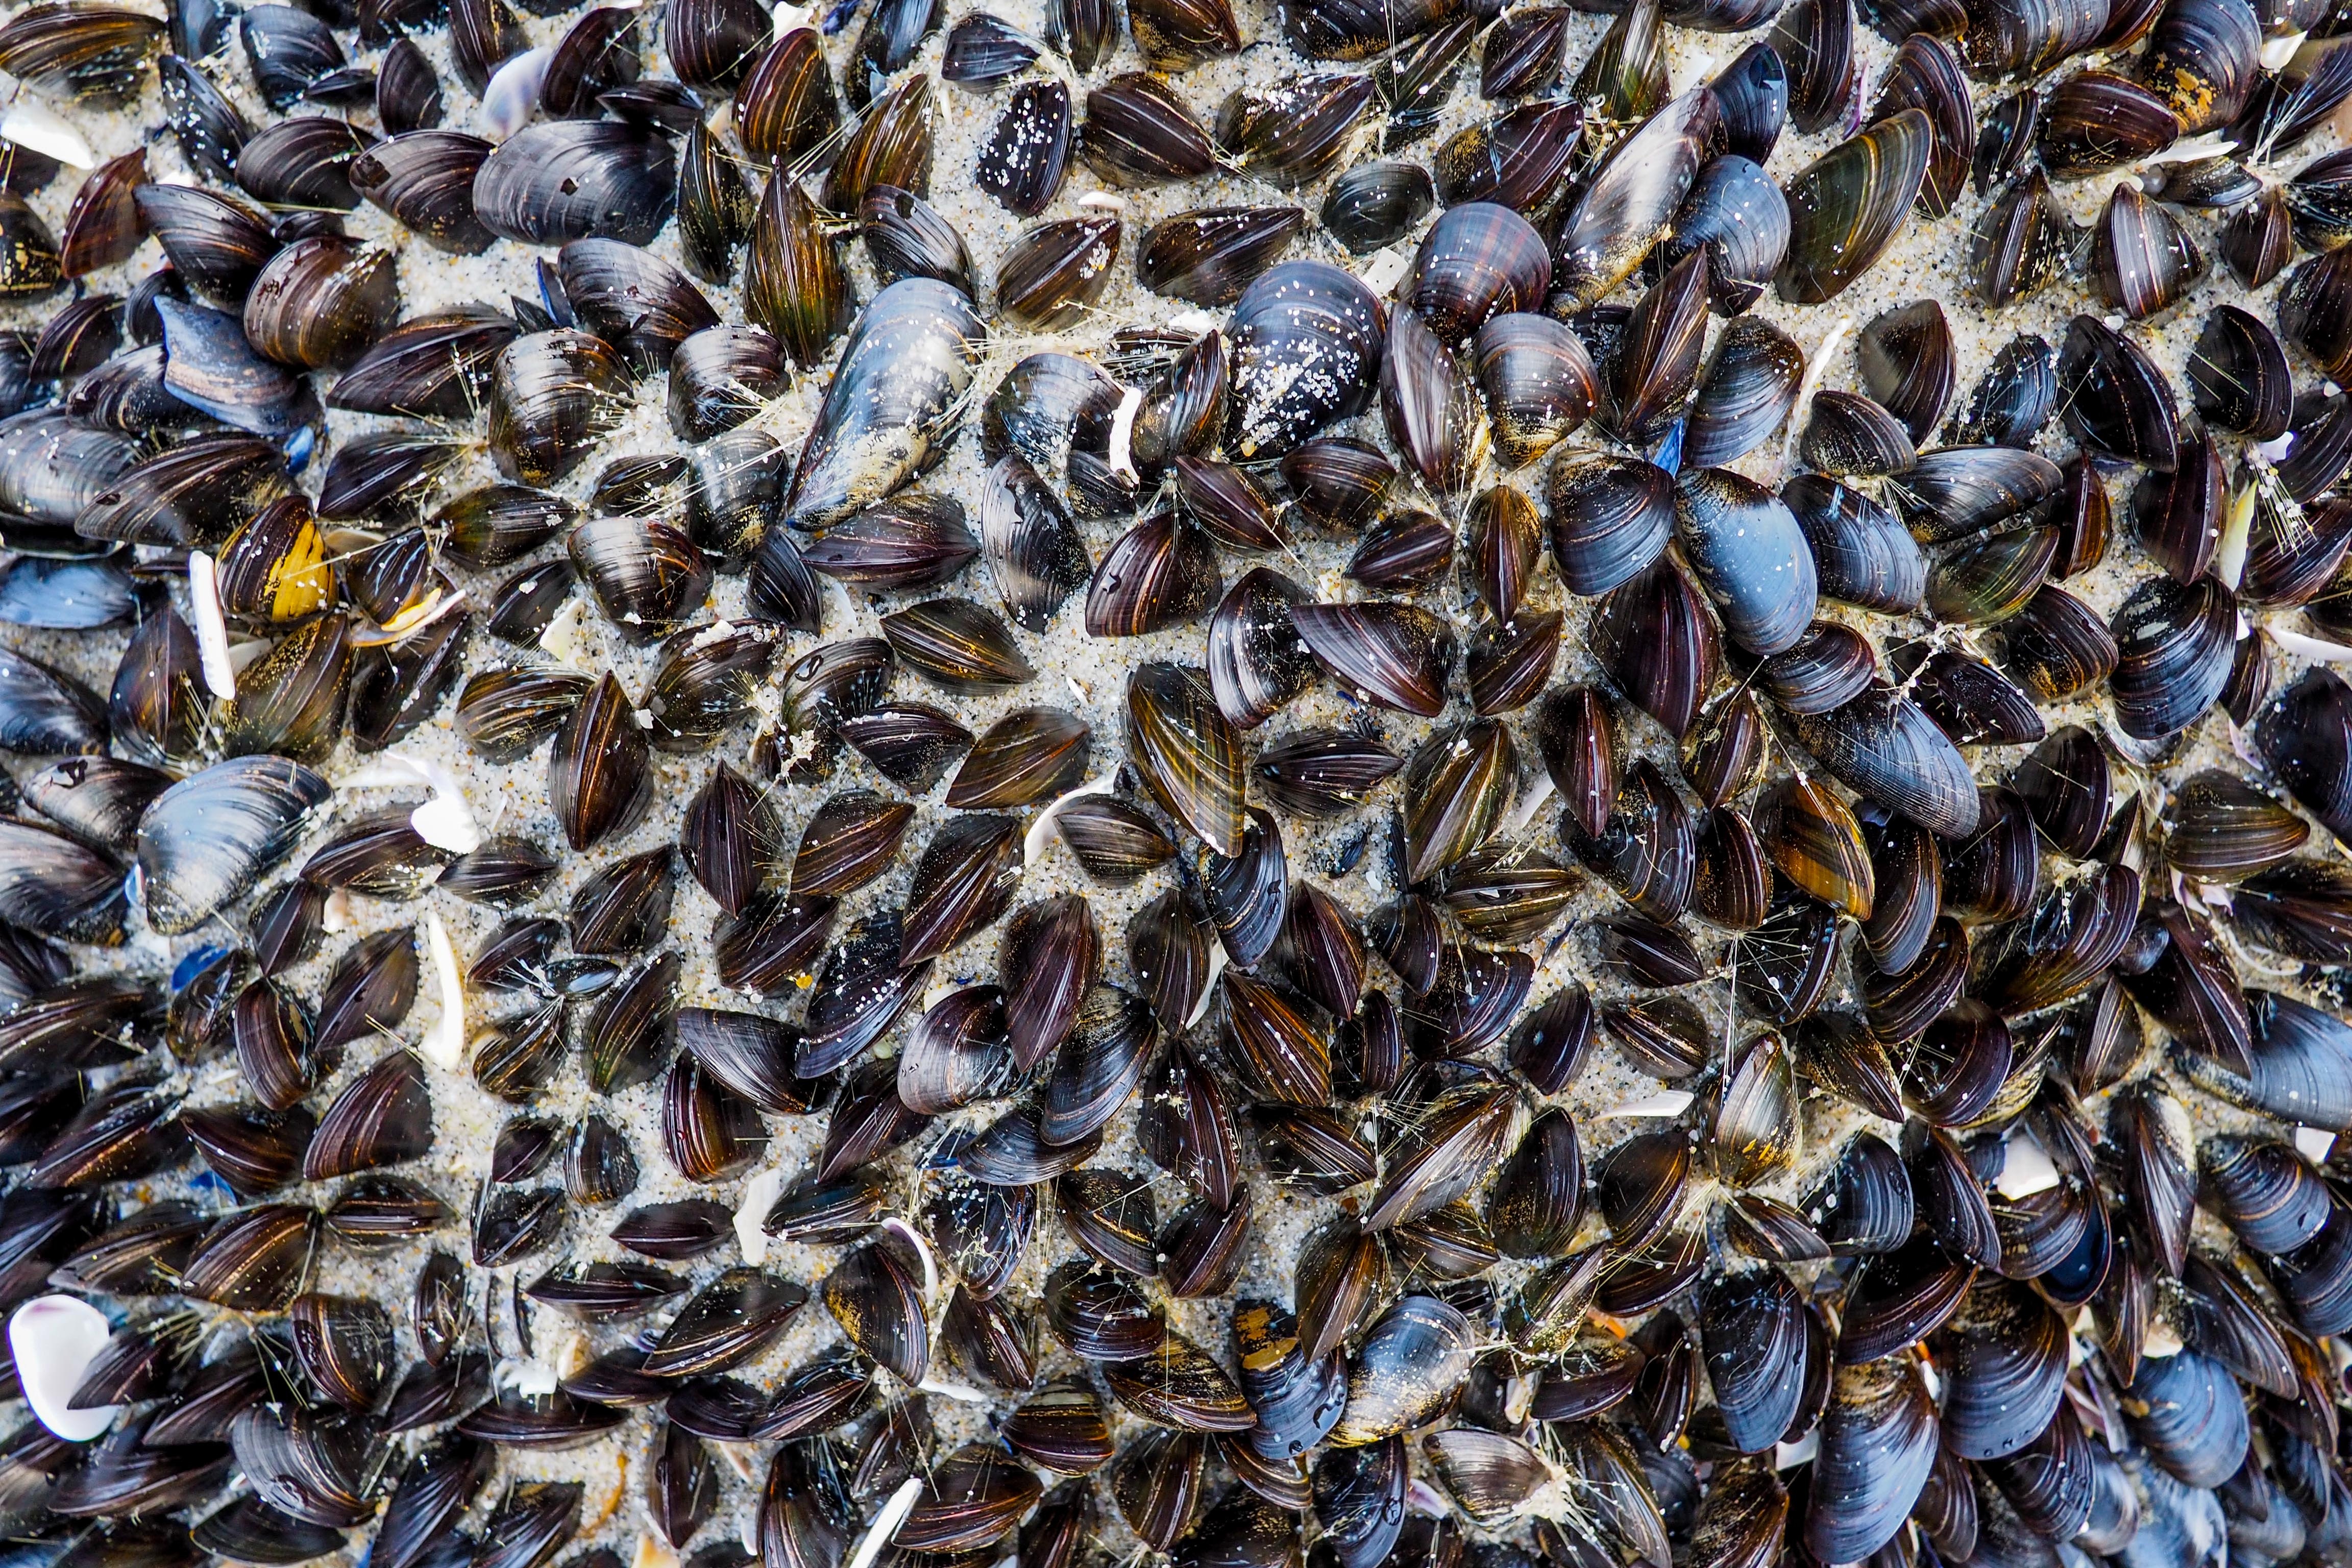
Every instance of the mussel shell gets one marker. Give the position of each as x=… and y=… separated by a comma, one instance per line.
x=1208, y=255
x=434, y=365
x=1296, y=313
x=2117, y=400
x=558, y=181
x=1847, y=206
x=1538, y=382
x=1749, y=552
x=1293, y=134
x=1880, y=746
x=2175, y=646
x=1877, y=1445
x=1376, y=205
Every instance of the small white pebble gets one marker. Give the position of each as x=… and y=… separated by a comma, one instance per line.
x=2314, y=1144
x=1386, y=269
x=564, y=636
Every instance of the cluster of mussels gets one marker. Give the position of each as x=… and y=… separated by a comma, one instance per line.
x=1916, y=889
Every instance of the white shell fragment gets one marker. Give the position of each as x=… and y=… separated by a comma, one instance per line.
x=1033, y=843
x=54, y=1339
x=508, y=102
x=2025, y=1168
x=535, y=1378
x=446, y=821
x=1799, y=411
x=914, y=1238
x=562, y=641
x=2237, y=529
x=211, y=627
x=760, y=1196
x=2314, y=1144
x=1665, y=1102
x=33, y=124
x=445, y=1044
x=1122, y=433
x=886, y=1523
x=1217, y=961
x=1529, y=806
x=2320, y=648
x=2192, y=148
